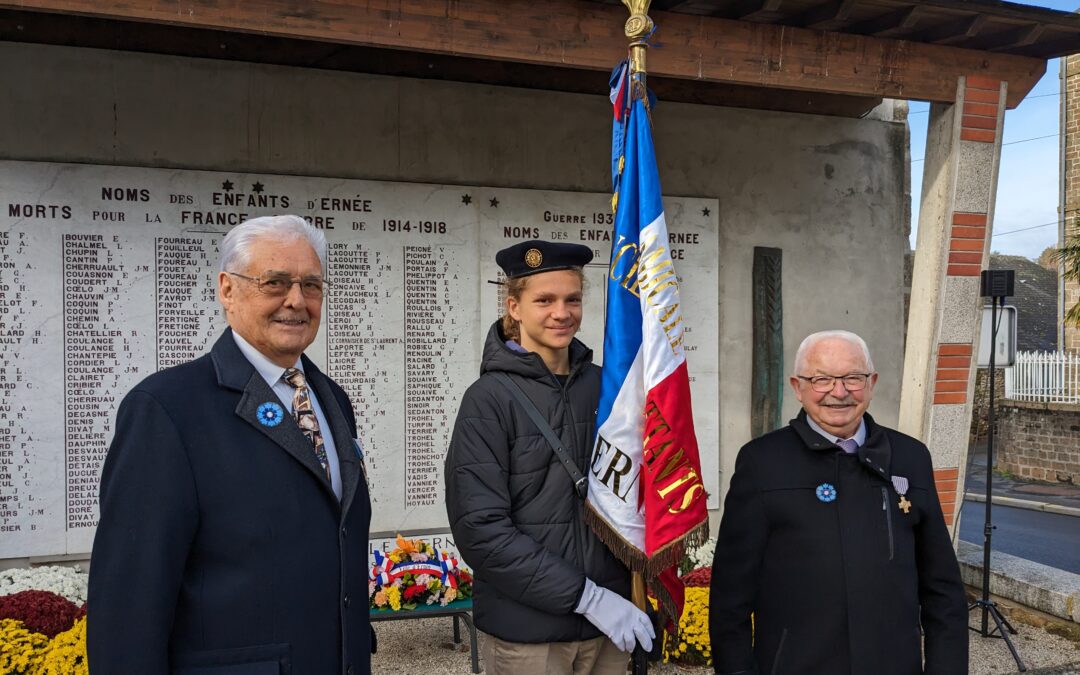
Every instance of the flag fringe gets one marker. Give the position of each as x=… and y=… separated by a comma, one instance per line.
x=650, y=566
x=634, y=559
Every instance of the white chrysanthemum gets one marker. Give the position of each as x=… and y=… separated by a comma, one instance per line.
x=702, y=556
x=69, y=582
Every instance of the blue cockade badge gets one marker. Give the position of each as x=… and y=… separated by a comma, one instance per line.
x=270, y=414
x=826, y=493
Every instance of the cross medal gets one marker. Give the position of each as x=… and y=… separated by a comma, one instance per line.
x=901, y=485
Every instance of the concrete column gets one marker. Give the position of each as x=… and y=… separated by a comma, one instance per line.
x=1070, y=188
x=963, y=150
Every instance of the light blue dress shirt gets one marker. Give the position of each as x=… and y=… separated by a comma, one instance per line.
x=859, y=437
x=273, y=373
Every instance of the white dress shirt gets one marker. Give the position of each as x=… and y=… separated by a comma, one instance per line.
x=273, y=374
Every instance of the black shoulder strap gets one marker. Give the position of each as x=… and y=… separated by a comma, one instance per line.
x=581, y=484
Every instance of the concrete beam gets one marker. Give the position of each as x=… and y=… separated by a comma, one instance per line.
x=1047, y=589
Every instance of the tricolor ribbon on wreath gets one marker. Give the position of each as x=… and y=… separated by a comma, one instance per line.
x=385, y=570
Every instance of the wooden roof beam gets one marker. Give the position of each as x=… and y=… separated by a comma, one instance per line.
x=569, y=34
x=664, y=5
x=825, y=16
x=957, y=30
x=748, y=9
x=901, y=19
x=1021, y=36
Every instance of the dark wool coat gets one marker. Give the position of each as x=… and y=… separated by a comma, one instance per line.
x=512, y=507
x=836, y=587
x=222, y=548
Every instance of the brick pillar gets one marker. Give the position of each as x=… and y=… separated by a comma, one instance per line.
x=963, y=149
x=1070, y=290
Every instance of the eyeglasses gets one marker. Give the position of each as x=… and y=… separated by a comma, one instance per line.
x=279, y=285
x=824, y=383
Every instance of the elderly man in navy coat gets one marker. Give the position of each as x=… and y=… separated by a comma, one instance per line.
x=833, y=540
x=234, y=505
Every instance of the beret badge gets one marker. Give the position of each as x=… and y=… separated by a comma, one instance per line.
x=533, y=257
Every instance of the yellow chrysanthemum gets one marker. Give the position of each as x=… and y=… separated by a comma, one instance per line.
x=66, y=653
x=21, y=651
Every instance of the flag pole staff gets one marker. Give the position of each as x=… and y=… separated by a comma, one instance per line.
x=638, y=28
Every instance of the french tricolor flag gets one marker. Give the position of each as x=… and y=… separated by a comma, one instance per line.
x=646, y=495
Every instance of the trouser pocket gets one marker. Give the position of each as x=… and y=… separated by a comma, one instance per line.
x=273, y=659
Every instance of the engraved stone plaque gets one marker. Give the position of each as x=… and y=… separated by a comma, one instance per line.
x=109, y=273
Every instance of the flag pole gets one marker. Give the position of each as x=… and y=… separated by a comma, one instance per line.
x=638, y=28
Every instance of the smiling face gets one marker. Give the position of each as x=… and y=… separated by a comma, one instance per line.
x=837, y=411
x=281, y=328
x=549, y=315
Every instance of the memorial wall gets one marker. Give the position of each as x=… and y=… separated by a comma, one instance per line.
x=108, y=274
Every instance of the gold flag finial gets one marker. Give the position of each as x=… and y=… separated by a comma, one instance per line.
x=638, y=27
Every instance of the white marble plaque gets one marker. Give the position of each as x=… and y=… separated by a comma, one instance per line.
x=109, y=273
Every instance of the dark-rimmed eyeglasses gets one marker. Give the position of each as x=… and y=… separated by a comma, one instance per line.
x=824, y=383
x=279, y=285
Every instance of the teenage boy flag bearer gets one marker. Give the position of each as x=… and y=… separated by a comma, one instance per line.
x=646, y=496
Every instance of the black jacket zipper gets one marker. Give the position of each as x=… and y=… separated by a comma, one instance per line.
x=888, y=517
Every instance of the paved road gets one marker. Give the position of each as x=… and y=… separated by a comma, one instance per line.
x=1047, y=538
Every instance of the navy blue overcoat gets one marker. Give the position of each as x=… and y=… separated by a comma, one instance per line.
x=222, y=548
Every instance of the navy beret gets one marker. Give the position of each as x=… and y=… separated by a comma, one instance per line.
x=535, y=256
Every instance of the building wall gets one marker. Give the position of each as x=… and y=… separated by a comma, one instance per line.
x=830, y=192
x=1039, y=440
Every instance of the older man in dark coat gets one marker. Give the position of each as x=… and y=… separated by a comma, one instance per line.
x=834, y=540
x=234, y=509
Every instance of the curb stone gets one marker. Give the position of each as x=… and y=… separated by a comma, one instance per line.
x=1028, y=504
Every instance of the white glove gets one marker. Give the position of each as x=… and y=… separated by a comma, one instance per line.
x=616, y=617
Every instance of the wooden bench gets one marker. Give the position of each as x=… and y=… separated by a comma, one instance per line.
x=459, y=609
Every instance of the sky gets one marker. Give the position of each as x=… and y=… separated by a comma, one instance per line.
x=1027, y=193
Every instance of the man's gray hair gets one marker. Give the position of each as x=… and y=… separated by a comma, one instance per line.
x=236, y=247
x=814, y=338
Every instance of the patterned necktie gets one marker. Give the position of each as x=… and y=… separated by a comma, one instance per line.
x=850, y=445
x=305, y=415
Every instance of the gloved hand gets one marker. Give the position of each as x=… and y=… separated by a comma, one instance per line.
x=616, y=617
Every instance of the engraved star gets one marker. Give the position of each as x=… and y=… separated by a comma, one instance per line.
x=227, y=186
x=705, y=211
x=257, y=187
x=494, y=202
x=466, y=199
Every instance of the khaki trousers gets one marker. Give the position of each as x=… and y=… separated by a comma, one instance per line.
x=598, y=656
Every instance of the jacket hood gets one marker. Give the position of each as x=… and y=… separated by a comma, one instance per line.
x=500, y=358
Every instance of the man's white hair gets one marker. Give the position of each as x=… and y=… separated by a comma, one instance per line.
x=814, y=338
x=236, y=247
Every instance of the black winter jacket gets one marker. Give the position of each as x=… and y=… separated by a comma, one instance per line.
x=838, y=587
x=516, y=519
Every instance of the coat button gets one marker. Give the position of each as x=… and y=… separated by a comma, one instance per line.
x=349, y=671
x=346, y=600
x=344, y=532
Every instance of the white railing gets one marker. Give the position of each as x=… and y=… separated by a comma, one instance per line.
x=1052, y=377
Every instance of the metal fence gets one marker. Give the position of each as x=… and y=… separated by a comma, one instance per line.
x=1052, y=377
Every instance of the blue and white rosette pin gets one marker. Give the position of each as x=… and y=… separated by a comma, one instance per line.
x=270, y=414
x=826, y=493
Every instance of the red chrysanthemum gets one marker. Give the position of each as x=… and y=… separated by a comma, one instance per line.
x=698, y=578
x=40, y=611
x=413, y=591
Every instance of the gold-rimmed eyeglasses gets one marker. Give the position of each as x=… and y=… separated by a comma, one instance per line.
x=824, y=383
x=279, y=285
